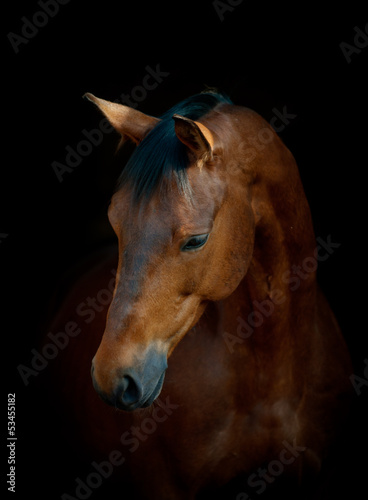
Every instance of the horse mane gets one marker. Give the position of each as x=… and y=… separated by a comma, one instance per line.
x=161, y=154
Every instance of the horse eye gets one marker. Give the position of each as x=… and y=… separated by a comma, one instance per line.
x=195, y=242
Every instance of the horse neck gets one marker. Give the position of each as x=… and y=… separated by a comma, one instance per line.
x=284, y=237
x=275, y=302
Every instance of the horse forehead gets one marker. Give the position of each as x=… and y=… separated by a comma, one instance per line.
x=135, y=219
x=161, y=214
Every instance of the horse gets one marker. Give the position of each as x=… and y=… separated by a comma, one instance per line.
x=214, y=355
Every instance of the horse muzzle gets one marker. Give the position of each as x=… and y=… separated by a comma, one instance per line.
x=134, y=387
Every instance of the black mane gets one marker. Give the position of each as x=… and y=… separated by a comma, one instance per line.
x=161, y=155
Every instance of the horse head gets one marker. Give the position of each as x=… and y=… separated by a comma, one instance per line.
x=185, y=215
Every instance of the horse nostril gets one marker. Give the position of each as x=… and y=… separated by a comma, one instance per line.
x=129, y=391
x=126, y=395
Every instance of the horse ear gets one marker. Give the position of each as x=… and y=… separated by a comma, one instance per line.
x=195, y=136
x=127, y=121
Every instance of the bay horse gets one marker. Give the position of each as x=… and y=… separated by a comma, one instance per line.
x=220, y=357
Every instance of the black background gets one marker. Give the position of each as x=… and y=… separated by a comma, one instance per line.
x=263, y=58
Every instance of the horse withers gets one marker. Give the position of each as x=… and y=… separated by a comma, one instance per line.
x=220, y=356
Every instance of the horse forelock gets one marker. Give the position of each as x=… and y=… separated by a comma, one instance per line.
x=161, y=155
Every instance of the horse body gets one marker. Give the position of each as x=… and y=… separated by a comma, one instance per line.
x=257, y=366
